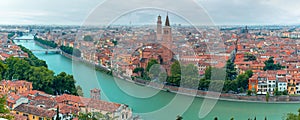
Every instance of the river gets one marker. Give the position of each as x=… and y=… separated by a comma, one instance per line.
x=88, y=78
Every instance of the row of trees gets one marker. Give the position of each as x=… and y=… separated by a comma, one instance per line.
x=41, y=77
x=213, y=78
x=32, y=59
x=95, y=116
x=233, y=82
x=46, y=42
x=70, y=50
x=189, y=78
x=10, y=35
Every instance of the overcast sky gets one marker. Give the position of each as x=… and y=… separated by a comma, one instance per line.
x=75, y=12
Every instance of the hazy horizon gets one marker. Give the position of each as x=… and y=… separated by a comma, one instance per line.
x=229, y=12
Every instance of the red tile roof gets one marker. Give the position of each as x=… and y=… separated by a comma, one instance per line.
x=30, y=109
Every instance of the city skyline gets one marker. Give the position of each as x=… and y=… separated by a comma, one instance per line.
x=232, y=12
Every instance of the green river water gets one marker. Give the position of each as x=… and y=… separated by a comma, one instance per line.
x=148, y=107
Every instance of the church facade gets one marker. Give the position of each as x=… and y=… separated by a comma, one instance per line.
x=160, y=50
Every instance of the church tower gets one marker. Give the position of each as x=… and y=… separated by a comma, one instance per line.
x=95, y=94
x=159, y=29
x=167, y=36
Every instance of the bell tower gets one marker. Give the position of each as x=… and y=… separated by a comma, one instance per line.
x=167, y=36
x=159, y=28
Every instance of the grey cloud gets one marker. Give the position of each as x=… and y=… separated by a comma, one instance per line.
x=220, y=11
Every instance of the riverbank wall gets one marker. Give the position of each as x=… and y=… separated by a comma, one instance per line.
x=223, y=96
x=187, y=91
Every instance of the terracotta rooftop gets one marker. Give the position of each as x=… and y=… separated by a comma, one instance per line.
x=88, y=102
x=12, y=97
x=103, y=105
x=30, y=109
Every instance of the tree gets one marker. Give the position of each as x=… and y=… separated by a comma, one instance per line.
x=70, y=50
x=267, y=96
x=269, y=65
x=64, y=83
x=32, y=59
x=216, y=85
x=249, y=92
x=95, y=116
x=79, y=91
x=203, y=84
x=207, y=74
x=216, y=118
x=230, y=71
x=115, y=42
x=174, y=80
x=57, y=113
x=3, y=68
x=87, y=116
x=4, y=111
x=190, y=76
x=230, y=85
x=46, y=42
x=292, y=116
x=139, y=71
x=16, y=68
x=175, y=68
x=88, y=38
x=285, y=92
x=249, y=57
x=179, y=117
x=276, y=92
x=150, y=63
x=242, y=80
x=41, y=78
x=175, y=77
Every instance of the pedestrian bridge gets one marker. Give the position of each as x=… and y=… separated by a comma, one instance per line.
x=47, y=50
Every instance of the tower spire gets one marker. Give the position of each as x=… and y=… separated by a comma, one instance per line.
x=167, y=20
